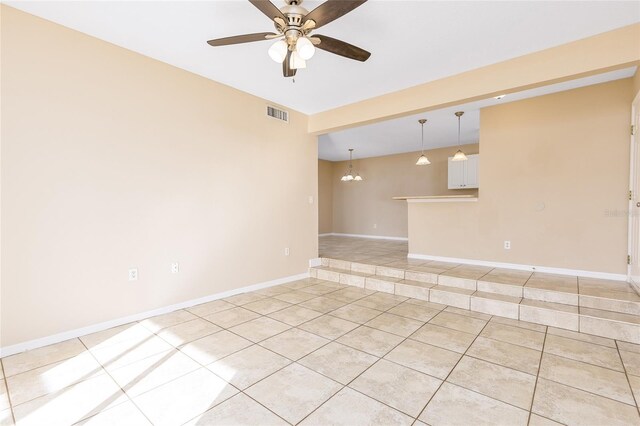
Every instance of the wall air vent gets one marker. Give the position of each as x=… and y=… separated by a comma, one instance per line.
x=278, y=114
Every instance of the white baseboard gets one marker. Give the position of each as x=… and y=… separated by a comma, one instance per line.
x=375, y=237
x=635, y=284
x=550, y=270
x=71, y=334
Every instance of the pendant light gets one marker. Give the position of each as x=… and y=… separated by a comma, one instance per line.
x=348, y=176
x=422, y=160
x=459, y=155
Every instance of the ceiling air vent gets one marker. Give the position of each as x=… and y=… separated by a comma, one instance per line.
x=278, y=114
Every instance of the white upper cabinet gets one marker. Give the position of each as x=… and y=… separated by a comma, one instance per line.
x=464, y=174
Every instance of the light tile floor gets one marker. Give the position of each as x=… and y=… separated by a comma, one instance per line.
x=319, y=353
x=599, y=306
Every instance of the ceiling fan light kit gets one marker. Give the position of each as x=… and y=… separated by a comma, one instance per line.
x=294, y=25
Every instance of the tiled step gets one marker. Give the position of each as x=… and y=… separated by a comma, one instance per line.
x=602, y=308
x=588, y=292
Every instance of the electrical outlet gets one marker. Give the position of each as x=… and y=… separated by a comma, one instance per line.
x=286, y=251
x=310, y=199
x=175, y=267
x=375, y=226
x=507, y=245
x=133, y=274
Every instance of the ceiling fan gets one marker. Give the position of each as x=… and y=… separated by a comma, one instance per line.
x=294, y=25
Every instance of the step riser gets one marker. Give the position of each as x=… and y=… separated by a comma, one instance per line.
x=550, y=296
x=504, y=289
x=352, y=280
x=412, y=291
x=610, y=305
x=567, y=320
x=452, y=299
x=532, y=293
x=495, y=307
x=464, y=283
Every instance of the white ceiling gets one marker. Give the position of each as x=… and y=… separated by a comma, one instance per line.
x=441, y=130
x=412, y=42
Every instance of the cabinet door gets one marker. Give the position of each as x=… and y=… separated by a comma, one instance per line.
x=456, y=174
x=471, y=171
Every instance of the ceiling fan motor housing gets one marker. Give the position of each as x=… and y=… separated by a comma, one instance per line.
x=294, y=14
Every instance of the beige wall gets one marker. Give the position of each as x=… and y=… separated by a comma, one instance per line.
x=616, y=49
x=111, y=160
x=636, y=82
x=358, y=206
x=551, y=168
x=325, y=197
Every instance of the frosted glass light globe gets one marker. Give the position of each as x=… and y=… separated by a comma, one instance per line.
x=278, y=51
x=305, y=48
x=297, y=62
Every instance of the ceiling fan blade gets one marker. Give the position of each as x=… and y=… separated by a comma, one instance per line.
x=268, y=8
x=287, y=71
x=331, y=10
x=245, y=38
x=341, y=48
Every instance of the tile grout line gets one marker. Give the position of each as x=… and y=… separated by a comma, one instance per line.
x=353, y=301
x=116, y=383
x=586, y=362
x=178, y=349
x=315, y=350
x=579, y=317
x=448, y=328
x=451, y=371
x=82, y=379
x=420, y=372
x=535, y=386
x=6, y=387
x=523, y=286
x=359, y=326
x=278, y=370
x=321, y=314
x=626, y=374
x=366, y=369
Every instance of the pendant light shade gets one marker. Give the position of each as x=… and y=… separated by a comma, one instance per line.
x=422, y=160
x=349, y=176
x=459, y=155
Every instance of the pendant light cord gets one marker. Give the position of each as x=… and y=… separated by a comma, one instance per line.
x=459, y=131
x=422, y=124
